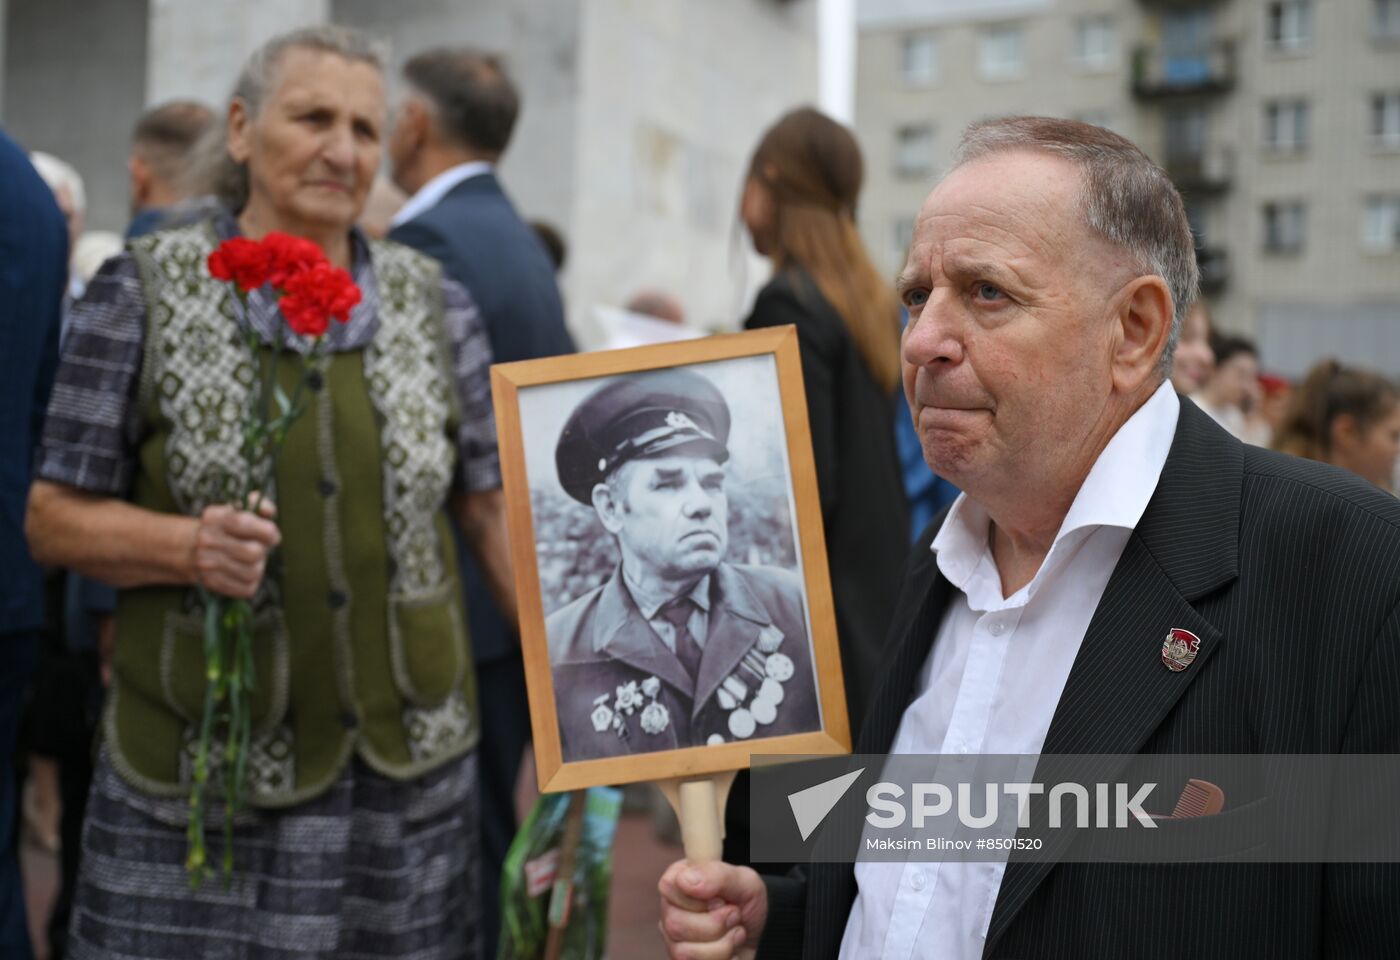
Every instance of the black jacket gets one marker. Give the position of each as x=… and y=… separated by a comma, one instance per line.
x=862, y=497
x=482, y=243
x=1287, y=571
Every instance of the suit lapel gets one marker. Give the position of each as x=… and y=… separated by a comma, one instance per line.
x=1119, y=691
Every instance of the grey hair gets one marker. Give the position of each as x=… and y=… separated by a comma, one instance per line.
x=220, y=174
x=1124, y=197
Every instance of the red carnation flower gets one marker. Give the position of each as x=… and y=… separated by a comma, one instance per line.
x=243, y=262
x=315, y=296
x=289, y=256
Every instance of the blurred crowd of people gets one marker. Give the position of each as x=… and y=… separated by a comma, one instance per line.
x=298, y=148
x=1340, y=414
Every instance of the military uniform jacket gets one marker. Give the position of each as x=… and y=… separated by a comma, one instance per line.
x=620, y=690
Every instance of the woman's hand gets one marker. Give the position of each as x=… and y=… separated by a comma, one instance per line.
x=229, y=553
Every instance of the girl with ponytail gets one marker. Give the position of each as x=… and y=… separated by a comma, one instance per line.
x=799, y=206
x=1347, y=417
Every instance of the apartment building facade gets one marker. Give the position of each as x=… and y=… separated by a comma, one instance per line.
x=1279, y=120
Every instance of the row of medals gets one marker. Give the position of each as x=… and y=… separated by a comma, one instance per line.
x=764, y=665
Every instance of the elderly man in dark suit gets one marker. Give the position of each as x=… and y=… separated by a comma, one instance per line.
x=454, y=123
x=678, y=648
x=1120, y=576
x=33, y=273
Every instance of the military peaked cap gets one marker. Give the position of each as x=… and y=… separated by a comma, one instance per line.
x=640, y=415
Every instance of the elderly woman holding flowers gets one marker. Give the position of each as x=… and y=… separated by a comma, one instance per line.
x=294, y=677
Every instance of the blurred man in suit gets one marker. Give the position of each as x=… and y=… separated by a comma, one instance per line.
x=162, y=148
x=451, y=128
x=1120, y=576
x=33, y=273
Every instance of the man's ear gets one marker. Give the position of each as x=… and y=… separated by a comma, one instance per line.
x=1143, y=324
x=609, y=510
x=139, y=173
x=417, y=120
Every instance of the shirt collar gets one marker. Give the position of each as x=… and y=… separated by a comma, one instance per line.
x=650, y=604
x=432, y=192
x=1114, y=494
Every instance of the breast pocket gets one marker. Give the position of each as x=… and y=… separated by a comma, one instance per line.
x=1238, y=834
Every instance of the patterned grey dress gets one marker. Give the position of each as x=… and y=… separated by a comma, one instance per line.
x=372, y=868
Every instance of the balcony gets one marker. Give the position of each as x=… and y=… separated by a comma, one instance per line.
x=1204, y=171
x=1214, y=266
x=1159, y=75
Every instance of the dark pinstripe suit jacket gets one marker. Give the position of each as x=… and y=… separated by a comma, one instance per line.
x=1289, y=572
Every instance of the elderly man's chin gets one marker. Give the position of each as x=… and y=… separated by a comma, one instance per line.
x=698, y=553
x=950, y=437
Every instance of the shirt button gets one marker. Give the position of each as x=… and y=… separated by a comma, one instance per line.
x=337, y=599
x=997, y=628
x=349, y=721
x=917, y=881
x=326, y=487
x=315, y=381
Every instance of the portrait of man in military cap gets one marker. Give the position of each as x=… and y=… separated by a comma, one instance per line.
x=680, y=646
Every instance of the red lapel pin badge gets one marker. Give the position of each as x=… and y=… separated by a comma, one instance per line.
x=1179, y=649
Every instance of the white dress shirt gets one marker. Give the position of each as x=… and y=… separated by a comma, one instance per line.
x=994, y=677
x=435, y=189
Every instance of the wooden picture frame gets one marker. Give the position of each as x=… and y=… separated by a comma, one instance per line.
x=539, y=386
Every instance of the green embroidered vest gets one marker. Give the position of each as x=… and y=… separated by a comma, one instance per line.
x=361, y=640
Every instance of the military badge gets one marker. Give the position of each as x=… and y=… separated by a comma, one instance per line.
x=1179, y=649
x=742, y=724
x=772, y=691
x=779, y=667
x=764, y=711
x=627, y=700
x=679, y=421
x=602, y=717
x=655, y=718
x=770, y=638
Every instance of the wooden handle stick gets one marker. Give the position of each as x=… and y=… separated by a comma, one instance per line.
x=699, y=805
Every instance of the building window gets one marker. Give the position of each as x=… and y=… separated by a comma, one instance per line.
x=903, y=237
x=1288, y=25
x=1380, y=224
x=919, y=60
x=913, y=150
x=1286, y=125
x=1186, y=135
x=1385, y=120
x=1001, y=54
x=1095, y=43
x=1284, y=226
x=1385, y=19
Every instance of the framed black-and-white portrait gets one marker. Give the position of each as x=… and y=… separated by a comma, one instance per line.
x=669, y=560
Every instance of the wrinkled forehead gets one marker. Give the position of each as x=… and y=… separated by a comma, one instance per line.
x=312, y=74
x=1013, y=192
